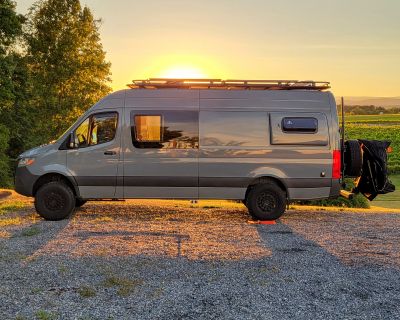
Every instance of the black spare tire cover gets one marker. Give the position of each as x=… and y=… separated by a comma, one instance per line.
x=353, y=160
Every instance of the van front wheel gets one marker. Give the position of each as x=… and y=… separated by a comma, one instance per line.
x=266, y=201
x=54, y=201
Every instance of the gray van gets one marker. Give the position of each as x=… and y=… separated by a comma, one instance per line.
x=263, y=142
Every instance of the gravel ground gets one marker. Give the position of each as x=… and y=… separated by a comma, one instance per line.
x=168, y=260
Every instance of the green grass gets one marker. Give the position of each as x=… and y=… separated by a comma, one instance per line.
x=379, y=132
x=30, y=232
x=376, y=118
x=124, y=286
x=11, y=206
x=377, y=127
x=390, y=200
x=86, y=292
x=45, y=315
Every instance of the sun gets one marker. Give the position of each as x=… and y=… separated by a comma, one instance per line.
x=183, y=72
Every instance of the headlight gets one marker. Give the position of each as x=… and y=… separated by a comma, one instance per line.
x=25, y=162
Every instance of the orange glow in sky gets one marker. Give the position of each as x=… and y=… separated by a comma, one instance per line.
x=353, y=44
x=183, y=72
x=188, y=66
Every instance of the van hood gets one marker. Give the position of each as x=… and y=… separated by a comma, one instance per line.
x=36, y=151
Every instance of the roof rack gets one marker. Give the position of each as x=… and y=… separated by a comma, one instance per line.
x=168, y=83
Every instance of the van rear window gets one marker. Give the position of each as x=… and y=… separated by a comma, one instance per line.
x=300, y=124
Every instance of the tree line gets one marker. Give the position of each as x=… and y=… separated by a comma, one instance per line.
x=368, y=110
x=52, y=68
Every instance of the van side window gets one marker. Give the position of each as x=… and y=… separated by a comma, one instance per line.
x=300, y=124
x=96, y=129
x=160, y=129
x=235, y=129
x=82, y=134
x=103, y=127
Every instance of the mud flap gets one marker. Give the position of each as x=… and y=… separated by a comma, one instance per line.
x=374, y=177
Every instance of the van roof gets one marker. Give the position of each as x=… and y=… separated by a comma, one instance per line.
x=168, y=83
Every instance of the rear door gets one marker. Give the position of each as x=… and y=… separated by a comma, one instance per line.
x=94, y=161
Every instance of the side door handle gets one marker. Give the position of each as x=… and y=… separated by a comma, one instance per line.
x=110, y=153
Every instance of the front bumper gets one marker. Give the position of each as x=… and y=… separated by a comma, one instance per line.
x=24, y=181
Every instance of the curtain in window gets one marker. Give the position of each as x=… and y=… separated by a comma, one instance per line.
x=148, y=128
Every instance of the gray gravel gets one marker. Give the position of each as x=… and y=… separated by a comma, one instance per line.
x=164, y=260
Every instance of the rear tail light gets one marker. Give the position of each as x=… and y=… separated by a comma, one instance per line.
x=389, y=150
x=336, y=164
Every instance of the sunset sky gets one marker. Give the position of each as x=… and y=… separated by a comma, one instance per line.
x=354, y=44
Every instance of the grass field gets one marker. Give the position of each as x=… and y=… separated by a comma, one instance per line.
x=380, y=127
x=379, y=119
x=390, y=200
x=377, y=127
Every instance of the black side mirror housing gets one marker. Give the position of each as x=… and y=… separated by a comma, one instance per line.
x=71, y=143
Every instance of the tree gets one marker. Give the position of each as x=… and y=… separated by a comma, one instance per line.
x=66, y=61
x=10, y=24
x=10, y=30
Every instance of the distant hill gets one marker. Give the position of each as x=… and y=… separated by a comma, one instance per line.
x=368, y=101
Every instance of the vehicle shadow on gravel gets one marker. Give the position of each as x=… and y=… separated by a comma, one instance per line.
x=354, y=277
x=162, y=261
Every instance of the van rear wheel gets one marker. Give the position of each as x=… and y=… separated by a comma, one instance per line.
x=266, y=201
x=54, y=201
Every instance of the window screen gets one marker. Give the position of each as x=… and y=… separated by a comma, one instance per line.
x=298, y=124
x=165, y=129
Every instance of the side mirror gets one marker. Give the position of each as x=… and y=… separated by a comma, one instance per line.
x=72, y=144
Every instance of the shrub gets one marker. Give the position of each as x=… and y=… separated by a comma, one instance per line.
x=359, y=201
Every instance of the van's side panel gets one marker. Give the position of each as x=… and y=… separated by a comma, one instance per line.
x=159, y=172
x=226, y=171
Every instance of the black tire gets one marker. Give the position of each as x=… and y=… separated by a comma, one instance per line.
x=266, y=201
x=54, y=201
x=79, y=202
x=353, y=161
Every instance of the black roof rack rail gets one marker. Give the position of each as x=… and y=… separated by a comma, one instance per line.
x=232, y=84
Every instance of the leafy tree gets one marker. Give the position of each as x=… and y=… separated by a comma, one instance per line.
x=67, y=63
x=10, y=24
x=10, y=30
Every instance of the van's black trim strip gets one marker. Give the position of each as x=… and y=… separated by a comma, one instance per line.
x=214, y=182
x=307, y=182
x=99, y=181
x=161, y=181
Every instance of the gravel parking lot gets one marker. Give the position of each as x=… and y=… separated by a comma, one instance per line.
x=171, y=260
